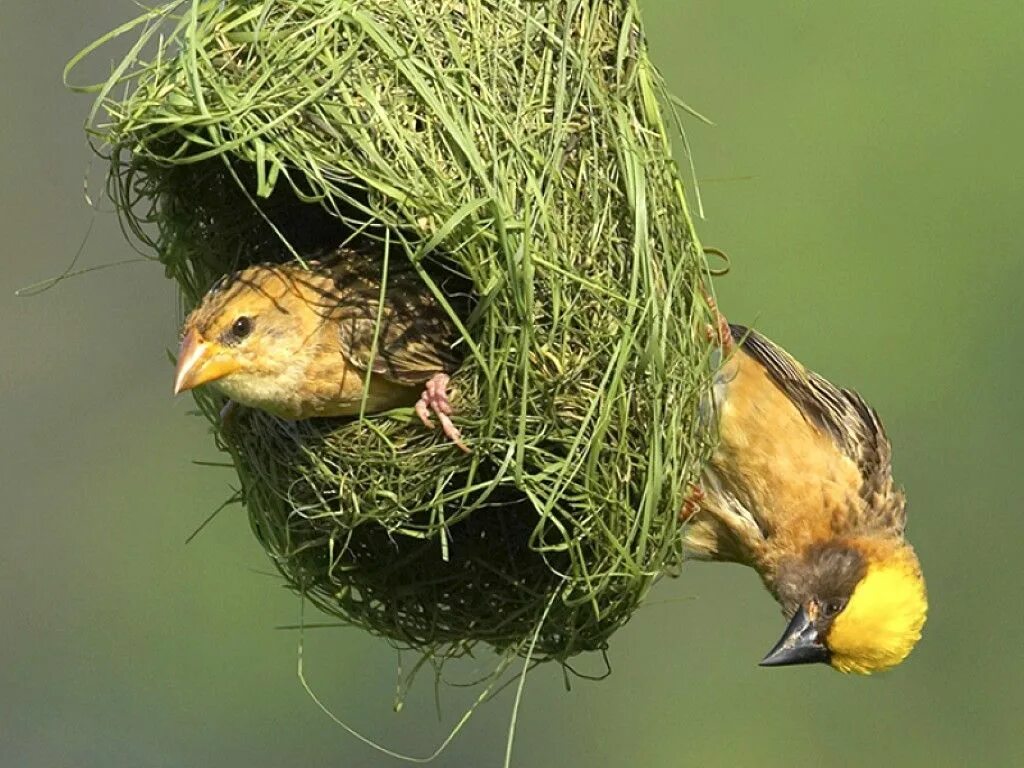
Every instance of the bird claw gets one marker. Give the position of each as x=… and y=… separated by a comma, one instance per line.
x=718, y=332
x=691, y=505
x=434, y=400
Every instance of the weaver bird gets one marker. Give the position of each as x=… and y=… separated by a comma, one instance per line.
x=303, y=341
x=800, y=488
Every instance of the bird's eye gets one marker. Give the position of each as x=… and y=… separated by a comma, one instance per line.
x=830, y=608
x=242, y=327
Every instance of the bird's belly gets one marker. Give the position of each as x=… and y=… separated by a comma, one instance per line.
x=318, y=391
x=343, y=390
x=333, y=399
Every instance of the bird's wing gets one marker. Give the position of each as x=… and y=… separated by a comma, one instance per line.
x=852, y=424
x=416, y=335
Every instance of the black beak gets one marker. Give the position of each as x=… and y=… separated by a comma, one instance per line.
x=799, y=644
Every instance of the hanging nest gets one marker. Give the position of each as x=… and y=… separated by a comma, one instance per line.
x=523, y=144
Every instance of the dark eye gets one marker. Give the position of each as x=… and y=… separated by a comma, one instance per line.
x=829, y=608
x=242, y=327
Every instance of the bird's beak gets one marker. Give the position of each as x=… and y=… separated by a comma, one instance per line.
x=201, y=361
x=800, y=644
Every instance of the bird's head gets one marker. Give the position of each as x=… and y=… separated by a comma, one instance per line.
x=860, y=605
x=244, y=335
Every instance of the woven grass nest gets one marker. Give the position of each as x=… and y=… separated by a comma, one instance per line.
x=523, y=143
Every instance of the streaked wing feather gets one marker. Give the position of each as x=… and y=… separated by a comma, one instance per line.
x=415, y=338
x=842, y=414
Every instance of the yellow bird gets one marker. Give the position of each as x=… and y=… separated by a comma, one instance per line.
x=298, y=341
x=800, y=488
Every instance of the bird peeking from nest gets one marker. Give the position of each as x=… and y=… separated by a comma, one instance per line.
x=800, y=488
x=299, y=341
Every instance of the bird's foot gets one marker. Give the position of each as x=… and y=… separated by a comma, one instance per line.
x=718, y=332
x=435, y=400
x=691, y=505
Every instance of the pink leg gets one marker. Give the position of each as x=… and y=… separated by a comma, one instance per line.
x=435, y=399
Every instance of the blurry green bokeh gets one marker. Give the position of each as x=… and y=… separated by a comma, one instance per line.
x=865, y=177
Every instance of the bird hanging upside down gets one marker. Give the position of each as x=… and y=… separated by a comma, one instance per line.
x=298, y=342
x=800, y=488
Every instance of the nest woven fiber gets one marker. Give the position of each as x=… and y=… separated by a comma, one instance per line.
x=524, y=143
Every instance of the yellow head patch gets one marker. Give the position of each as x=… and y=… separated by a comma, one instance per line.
x=883, y=619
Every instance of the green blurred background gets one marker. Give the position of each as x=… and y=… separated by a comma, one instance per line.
x=865, y=177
